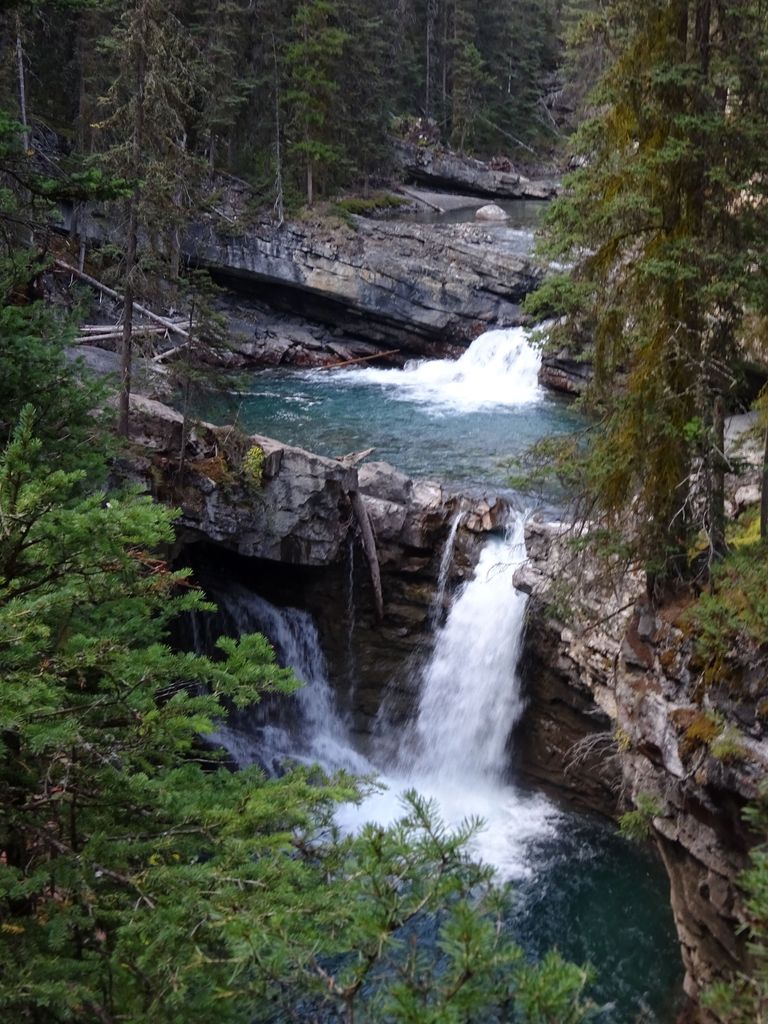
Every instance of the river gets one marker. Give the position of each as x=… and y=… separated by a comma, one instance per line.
x=579, y=886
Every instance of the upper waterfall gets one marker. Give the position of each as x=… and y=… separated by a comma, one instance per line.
x=500, y=368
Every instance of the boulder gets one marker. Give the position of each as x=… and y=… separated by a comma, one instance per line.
x=491, y=212
x=384, y=481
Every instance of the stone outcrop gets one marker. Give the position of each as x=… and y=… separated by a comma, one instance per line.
x=267, y=500
x=421, y=287
x=441, y=168
x=625, y=675
x=293, y=531
x=562, y=372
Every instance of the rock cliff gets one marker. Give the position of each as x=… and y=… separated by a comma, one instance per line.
x=266, y=500
x=421, y=287
x=441, y=168
x=620, y=713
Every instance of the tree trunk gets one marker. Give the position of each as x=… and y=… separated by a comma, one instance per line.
x=428, y=60
x=717, y=488
x=279, y=201
x=26, y=139
x=310, y=184
x=369, y=547
x=127, y=343
x=184, y=426
x=131, y=246
x=764, y=493
x=124, y=412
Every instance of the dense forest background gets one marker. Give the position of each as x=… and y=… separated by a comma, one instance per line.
x=283, y=93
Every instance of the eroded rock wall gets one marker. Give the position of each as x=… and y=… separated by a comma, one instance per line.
x=411, y=285
x=627, y=675
x=296, y=509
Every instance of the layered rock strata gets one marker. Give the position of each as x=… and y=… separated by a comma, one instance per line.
x=263, y=499
x=419, y=287
x=441, y=168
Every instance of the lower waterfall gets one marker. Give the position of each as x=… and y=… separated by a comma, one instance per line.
x=470, y=697
x=304, y=726
x=578, y=885
x=456, y=747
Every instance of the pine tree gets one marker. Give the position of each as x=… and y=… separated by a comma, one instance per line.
x=141, y=879
x=470, y=77
x=149, y=112
x=313, y=58
x=664, y=225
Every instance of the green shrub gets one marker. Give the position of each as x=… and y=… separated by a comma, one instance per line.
x=637, y=825
x=253, y=466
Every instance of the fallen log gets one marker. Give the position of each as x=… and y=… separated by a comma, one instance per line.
x=352, y=458
x=360, y=359
x=420, y=199
x=87, y=279
x=161, y=356
x=369, y=547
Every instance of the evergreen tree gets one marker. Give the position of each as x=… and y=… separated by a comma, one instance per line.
x=469, y=77
x=312, y=60
x=140, y=880
x=146, y=128
x=663, y=225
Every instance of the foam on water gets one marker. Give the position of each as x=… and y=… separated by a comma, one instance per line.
x=500, y=368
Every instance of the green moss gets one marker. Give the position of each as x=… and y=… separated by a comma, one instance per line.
x=728, y=747
x=357, y=206
x=253, y=466
x=623, y=740
x=703, y=729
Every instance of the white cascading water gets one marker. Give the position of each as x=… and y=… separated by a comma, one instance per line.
x=443, y=574
x=500, y=368
x=471, y=692
x=309, y=729
x=456, y=749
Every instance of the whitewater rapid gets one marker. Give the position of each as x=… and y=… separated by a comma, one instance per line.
x=500, y=368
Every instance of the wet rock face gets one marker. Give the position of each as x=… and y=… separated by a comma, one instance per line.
x=414, y=286
x=623, y=673
x=298, y=512
x=561, y=372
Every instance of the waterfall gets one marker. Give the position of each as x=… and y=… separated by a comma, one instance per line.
x=471, y=692
x=305, y=726
x=455, y=750
x=500, y=368
x=455, y=747
x=446, y=561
